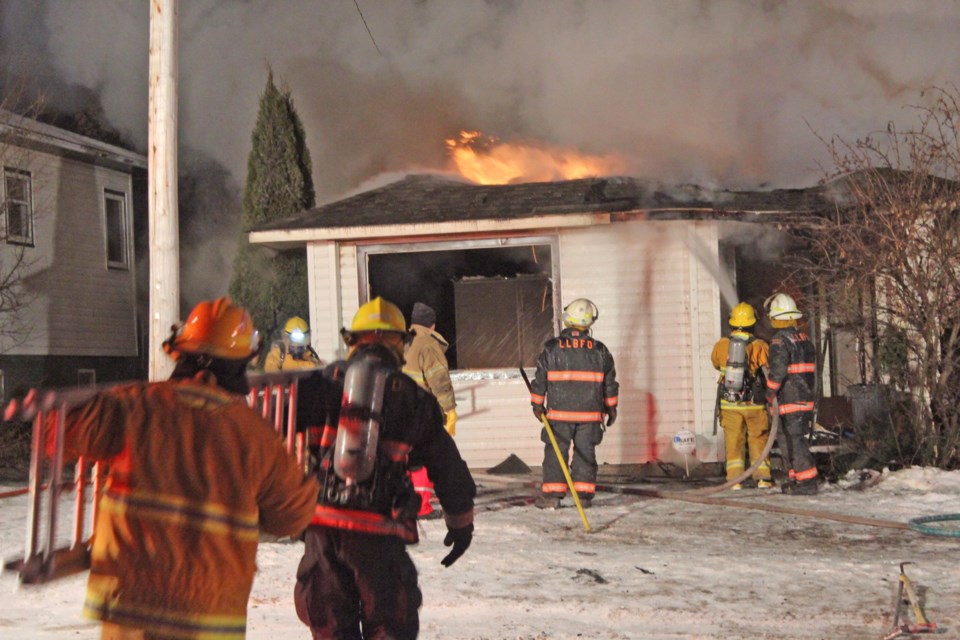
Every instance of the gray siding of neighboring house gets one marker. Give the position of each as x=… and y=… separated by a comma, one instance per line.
x=81, y=313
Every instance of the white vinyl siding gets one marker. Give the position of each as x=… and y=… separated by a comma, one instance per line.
x=323, y=279
x=659, y=316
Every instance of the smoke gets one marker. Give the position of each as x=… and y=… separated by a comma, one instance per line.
x=726, y=94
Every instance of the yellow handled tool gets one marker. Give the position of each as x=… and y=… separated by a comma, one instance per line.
x=561, y=458
x=566, y=473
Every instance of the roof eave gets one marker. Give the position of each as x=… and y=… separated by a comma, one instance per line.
x=289, y=238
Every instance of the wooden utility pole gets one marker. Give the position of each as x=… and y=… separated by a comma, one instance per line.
x=162, y=176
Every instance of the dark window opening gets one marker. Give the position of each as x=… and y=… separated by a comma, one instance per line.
x=116, y=223
x=494, y=305
x=18, y=207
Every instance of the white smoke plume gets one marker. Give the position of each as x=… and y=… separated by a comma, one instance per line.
x=717, y=93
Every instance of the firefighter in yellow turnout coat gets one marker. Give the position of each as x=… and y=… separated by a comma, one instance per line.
x=741, y=358
x=293, y=350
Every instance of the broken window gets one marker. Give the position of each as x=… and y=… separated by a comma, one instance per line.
x=494, y=299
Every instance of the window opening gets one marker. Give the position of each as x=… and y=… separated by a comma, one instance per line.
x=86, y=377
x=494, y=299
x=18, y=206
x=115, y=208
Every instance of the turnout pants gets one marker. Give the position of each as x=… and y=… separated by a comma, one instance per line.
x=585, y=436
x=800, y=463
x=748, y=429
x=357, y=586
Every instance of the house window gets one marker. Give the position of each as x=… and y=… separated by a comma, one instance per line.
x=494, y=298
x=18, y=206
x=86, y=377
x=115, y=208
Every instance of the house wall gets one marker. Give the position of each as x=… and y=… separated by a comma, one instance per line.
x=78, y=306
x=324, y=284
x=659, y=315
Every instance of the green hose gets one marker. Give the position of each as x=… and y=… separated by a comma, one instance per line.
x=922, y=523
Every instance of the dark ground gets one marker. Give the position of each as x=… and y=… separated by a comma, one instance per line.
x=14, y=452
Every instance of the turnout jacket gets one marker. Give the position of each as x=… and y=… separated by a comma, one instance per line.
x=193, y=474
x=280, y=358
x=425, y=361
x=412, y=434
x=757, y=356
x=576, y=378
x=792, y=370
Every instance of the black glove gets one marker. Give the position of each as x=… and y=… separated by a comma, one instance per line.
x=460, y=539
x=537, y=411
x=611, y=415
x=771, y=398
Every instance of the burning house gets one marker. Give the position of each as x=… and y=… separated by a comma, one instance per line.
x=498, y=262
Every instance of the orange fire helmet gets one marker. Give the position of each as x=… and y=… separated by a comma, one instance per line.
x=217, y=328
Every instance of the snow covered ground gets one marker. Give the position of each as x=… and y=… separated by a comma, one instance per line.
x=650, y=568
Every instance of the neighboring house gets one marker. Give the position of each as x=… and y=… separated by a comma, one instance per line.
x=66, y=209
x=499, y=262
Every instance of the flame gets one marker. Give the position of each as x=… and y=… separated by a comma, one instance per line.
x=486, y=160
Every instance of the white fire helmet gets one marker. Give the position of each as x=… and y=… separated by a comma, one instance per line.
x=581, y=313
x=780, y=306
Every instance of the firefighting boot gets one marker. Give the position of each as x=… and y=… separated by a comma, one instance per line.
x=547, y=502
x=801, y=488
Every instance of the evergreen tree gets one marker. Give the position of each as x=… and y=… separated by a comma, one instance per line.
x=273, y=285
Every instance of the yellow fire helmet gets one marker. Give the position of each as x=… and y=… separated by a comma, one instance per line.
x=297, y=331
x=378, y=315
x=743, y=315
x=217, y=328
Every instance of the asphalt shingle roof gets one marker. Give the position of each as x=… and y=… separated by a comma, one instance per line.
x=419, y=199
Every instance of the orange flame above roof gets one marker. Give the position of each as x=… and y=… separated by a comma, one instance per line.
x=486, y=160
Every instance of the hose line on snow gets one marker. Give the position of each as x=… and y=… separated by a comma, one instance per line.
x=923, y=525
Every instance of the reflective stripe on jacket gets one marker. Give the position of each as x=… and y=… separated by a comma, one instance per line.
x=193, y=474
x=576, y=378
x=792, y=370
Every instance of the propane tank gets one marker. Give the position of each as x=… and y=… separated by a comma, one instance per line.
x=736, y=365
x=358, y=430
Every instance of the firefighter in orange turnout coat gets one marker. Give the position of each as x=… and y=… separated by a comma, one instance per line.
x=355, y=579
x=576, y=387
x=194, y=474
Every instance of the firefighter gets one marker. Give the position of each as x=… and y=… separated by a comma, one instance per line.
x=741, y=358
x=355, y=579
x=425, y=361
x=791, y=384
x=293, y=350
x=576, y=388
x=193, y=475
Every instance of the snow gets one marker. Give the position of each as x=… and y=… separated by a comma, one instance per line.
x=650, y=567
